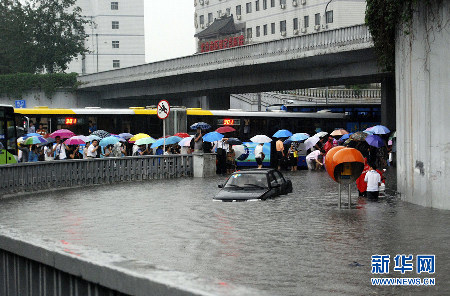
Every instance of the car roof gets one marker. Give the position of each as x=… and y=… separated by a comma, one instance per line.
x=254, y=171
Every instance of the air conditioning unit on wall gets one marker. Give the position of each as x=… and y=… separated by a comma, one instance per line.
x=316, y=27
x=238, y=17
x=303, y=30
x=283, y=33
x=294, y=3
x=283, y=6
x=295, y=32
x=303, y=2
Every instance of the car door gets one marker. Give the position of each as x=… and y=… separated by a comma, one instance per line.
x=280, y=180
x=275, y=190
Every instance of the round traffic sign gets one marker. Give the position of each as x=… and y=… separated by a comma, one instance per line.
x=163, y=109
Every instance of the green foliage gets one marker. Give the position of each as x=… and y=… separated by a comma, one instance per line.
x=14, y=85
x=40, y=35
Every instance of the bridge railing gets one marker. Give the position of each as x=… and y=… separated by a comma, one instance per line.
x=44, y=175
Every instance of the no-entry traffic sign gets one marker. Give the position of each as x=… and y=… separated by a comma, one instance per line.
x=163, y=109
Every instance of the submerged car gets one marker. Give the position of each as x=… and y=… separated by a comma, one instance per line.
x=255, y=184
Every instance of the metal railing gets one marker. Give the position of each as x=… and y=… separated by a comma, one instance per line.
x=45, y=175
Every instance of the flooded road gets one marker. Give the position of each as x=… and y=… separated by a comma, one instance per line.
x=293, y=245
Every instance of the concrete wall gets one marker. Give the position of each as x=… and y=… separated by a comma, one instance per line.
x=423, y=91
x=60, y=99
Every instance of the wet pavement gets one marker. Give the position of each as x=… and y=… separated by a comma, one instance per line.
x=292, y=245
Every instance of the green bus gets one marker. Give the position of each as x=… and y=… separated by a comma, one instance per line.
x=8, y=135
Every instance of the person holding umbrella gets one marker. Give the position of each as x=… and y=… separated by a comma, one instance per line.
x=198, y=140
x=259, y=155
x=59, y=149
x=93, y=149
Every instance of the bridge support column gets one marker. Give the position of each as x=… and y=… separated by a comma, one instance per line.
x=388, y=105
x=218, y=101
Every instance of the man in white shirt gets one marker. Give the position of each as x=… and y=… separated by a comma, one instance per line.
x=312, y=159
x=259, y=155
x=92, y=150
x=59, y=149
x=373, y=180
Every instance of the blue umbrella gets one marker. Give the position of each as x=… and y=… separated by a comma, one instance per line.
x=202, y=125
x=111, y=140
x=212, y=137
x=375, y=141
x=299, y=137
x=379, y=129
x=93, y=137
x=169, y=141
x=35, y=140
x=345, y=137
x=31, y=135
x=288, y=141
x=122, y=140
x=125, y=135
x=282, y=134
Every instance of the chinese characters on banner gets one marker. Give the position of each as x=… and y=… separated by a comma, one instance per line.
x=222, y=44
x=403, y=263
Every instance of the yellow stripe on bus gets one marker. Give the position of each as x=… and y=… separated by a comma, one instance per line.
x=144, y=111
x=198, y=112
x=39, y=111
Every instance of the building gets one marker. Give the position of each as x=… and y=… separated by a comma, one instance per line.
x=266, y=20
x=116, y=38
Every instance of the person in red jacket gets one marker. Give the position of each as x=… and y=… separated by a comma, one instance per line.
x=360, y=184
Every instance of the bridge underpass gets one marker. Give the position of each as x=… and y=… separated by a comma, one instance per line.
x=337, y=57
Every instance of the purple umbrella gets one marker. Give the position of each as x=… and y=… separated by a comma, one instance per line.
x=62, y=133
x=375, y=141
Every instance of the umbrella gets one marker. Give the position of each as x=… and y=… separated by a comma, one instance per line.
x=310, y=142
x=186, y=142
x=299, y=137
x=283, y=133
x=320, y=135
x=202, y=125
x=35, y=140
x=234, y=141
x=145, y=141
x=345, y=137
x=62, y=133
x=379, y=129
x=20, y=140
x=93, y=137
x=169, y=141
x=241, y=152
x=75, y=141
x=50, y=140
x=212, y=137
x=288, y=141
x=110, y=140
x=125, y=136
x=102, y=134
x=375, y=141
x=225, y=129
x=182, y=135
x=31, y=135
x=339, y=132
x=369, y=132
x=120, y=138
x=137, y=137
x=261, y=139
x=358, y=136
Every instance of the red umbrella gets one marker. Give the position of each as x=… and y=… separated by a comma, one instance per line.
x=62, y=133
x=182, y=135
x=225, y=129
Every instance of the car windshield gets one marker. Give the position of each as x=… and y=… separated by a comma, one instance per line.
x=247, y=181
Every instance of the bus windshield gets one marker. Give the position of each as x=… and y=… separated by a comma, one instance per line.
x=8, y=135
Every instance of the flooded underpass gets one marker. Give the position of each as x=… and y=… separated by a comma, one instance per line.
x=296, y=244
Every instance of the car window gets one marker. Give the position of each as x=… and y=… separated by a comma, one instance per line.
x=272, y=178
x=278, y=177
x=243, y=180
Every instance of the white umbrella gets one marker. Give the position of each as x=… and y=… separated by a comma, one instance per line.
x=320, y=135
x=186, y=142
x=261, y=139
x=310, y=142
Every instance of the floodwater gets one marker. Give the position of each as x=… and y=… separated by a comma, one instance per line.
x=299, y=244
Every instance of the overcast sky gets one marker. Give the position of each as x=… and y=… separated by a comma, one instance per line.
x=169, y=29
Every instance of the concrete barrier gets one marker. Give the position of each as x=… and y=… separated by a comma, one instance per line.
x=45, y=175
x=31, y=266
x=204, y=165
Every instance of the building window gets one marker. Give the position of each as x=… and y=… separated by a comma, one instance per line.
x=295, y=23
x=116, y=63
x=249, y=33
x=272, y=3
x=248, y=7
x=115, y=44
x=115, y=25
x=283, y=26
x=258, y=31
x=264, y=4
x=265, y=30
x=317, y=19
x=210, y=17
x=238, y=10
x=257, y=5
x=114, y=5
x=202, y=20
x=306, y=21
x=329, y=16
x=272, y=28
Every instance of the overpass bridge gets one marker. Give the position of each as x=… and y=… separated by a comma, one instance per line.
x=334, y=57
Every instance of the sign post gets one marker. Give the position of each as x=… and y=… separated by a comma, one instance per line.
x=163, y=111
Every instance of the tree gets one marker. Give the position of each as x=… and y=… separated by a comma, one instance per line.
x=40, y=35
